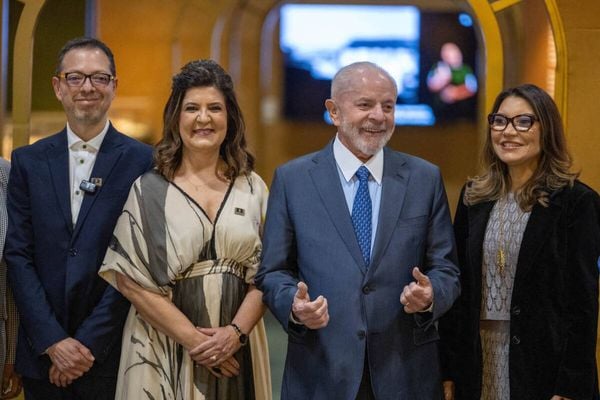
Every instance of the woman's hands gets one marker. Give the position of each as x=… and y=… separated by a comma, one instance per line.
x=228, y=368
x=217, y=350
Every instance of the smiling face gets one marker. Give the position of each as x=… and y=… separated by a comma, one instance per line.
x=203, y=120
x=86, y=106
x=520, y=150
x=363, y=111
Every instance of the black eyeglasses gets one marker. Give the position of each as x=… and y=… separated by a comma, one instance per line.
x=521, y=122
x=76, y=79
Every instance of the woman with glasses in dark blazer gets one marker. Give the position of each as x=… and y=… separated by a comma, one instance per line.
x=528, y=238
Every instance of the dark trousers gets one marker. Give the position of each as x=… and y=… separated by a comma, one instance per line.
x=84, y=388
x=365, y=391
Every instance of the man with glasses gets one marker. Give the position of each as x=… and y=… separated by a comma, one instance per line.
x=65, y=195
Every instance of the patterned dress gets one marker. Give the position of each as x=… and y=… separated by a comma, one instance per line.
x=165, y=242
x=505, y=229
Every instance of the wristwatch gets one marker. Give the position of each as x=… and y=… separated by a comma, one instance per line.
x=241, y=335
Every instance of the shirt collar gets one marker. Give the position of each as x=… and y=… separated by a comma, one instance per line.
x=75, y=141
x=349, y=163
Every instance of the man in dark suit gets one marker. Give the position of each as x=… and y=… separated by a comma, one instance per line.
x=65, y=195
x=366, y=230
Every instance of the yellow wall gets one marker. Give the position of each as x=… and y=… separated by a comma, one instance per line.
x=582, y=29
x=149, y=52
x=154, y=38
x=151, y=41
x=146, y=38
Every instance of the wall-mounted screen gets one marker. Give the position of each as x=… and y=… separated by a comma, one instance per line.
x=430, y=55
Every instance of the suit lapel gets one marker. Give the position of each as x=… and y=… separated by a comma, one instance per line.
x=478, y=215
x=107, y=158
x=326, y=179
x=58, y=163
x=536, y=233
x=396, y=175
x=539, y=227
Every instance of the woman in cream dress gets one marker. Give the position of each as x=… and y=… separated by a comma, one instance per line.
x=185, y=251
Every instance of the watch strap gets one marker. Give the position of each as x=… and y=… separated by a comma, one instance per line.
x=241, y=335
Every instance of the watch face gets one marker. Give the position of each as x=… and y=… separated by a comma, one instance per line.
x=243, y=339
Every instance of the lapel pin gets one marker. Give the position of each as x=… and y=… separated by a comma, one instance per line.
x=96, y=181
x=239, y=211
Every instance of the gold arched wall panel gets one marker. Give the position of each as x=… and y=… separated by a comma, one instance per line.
x=494, y=57
x=562, y=59
x=22, y=68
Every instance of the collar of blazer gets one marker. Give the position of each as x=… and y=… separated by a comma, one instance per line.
x=536, y=233
x=58, y=162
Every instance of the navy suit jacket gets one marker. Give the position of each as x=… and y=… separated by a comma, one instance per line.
x=309, y=237
x=53, y=265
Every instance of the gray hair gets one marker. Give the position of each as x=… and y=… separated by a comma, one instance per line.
x=345, y=75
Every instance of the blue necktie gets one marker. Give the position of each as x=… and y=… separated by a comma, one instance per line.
x=361, y=214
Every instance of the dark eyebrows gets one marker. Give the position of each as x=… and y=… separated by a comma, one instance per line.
x=211, y=104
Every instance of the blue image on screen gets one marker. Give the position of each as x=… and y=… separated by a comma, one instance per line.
x=317, y=40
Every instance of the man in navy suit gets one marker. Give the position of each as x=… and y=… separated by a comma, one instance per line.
x=64, y=197
x=359, y=258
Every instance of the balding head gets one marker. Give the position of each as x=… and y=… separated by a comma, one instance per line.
x=348, y=75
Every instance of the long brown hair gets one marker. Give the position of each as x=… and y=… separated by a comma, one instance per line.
x=168, y=151
x=553, y=170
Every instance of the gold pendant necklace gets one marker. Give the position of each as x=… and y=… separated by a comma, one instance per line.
x=500, y=253
x=500, y=260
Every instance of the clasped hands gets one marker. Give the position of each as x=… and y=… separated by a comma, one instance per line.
x=70, y=360
x=216, y=351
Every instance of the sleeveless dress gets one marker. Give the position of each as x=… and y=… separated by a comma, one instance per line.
x=166, y=243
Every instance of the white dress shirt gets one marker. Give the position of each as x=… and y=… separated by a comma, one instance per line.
x=348, y=164
x=82, y=157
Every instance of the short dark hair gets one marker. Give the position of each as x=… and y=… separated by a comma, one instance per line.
x=169, y=150
x=89, y=43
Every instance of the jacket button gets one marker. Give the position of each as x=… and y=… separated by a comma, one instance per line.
x=516, y=340
x=361, y=334
x=516, y=310
x=73, y=252
x=367, y=289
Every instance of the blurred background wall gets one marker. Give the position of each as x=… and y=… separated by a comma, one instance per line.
x=152, y=39
x=552, y=43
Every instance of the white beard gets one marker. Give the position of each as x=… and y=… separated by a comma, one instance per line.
x=367, y=145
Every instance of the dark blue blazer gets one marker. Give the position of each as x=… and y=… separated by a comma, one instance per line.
x=53, y=265
x=309, y=237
